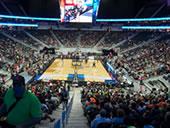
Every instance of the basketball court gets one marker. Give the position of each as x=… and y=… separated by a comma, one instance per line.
x=64, y=69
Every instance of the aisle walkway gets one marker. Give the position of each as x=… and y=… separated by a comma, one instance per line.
x=46, y=123
x=56, y=115
x=77, y=118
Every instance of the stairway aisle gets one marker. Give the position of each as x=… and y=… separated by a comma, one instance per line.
x=77, y=118
x=56, y=115
x=46, y=123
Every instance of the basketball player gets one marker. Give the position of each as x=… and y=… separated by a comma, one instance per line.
x=62, y=59
x=86, y=59
x=94, y=64
x=98, y=59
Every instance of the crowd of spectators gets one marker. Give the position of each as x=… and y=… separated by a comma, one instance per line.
x=67, y=38
x=16, y=57
x=50, y=96
x=146, y=61
x=83, y=39
x=121, y=108
x=11, y=50
x=142, y=62
x=38, y=64
x=21, y=35
x=90, y=38
x=102, y=104
x=138, y=39
x=167, y=77
x=111, y=38
x=46, y=37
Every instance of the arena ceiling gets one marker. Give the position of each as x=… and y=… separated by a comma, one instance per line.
x=108, y=8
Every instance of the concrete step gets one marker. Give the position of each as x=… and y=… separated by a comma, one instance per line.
x=76, y=117
x=77, y=126
x=77, y=122
x=56, y=115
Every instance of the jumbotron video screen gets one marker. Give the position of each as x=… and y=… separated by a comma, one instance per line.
x=78, y=11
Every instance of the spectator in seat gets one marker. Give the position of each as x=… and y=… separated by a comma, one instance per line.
x=26, y=108
x=119, y=118
x=166, y=123
x=101, y=118
x=45, y=110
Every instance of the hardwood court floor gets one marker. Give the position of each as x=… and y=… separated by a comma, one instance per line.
x=59, y=70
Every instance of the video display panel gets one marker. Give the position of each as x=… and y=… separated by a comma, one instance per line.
x=76, y=10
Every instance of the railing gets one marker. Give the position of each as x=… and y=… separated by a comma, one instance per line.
x=63, y=120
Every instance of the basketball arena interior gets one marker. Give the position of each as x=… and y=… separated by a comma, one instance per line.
x=84, y=63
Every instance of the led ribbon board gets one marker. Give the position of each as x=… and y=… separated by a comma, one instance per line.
x=29, y=18
x=145, y=27
x=134, y=19
x=96, y=4
x=19, y=25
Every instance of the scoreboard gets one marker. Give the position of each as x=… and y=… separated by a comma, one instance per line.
x=84, y=11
